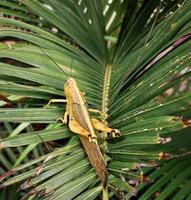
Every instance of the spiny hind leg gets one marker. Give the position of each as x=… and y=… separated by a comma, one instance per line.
x=78, y=129
x=55, y=101
x=100, y=126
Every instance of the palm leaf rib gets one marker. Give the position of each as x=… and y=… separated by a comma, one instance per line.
x=106, y=88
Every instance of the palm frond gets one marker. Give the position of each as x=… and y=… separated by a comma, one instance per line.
x=124, y=56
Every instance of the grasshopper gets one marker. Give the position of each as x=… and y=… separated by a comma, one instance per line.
x=79, y=121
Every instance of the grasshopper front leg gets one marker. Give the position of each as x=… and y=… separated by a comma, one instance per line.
x=55, y=101
x=65, y=118
x=98, y=125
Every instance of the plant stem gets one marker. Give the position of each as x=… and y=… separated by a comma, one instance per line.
x=104, y=111
x=105, y=93
x=105, y=193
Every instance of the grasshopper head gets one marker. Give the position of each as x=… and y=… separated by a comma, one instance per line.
x=70, y=83
x=70, y=86
x=73, y=93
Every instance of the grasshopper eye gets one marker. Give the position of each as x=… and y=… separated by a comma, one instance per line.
x=67, y=83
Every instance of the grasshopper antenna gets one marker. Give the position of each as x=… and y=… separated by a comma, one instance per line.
x=40, y=168
x=54, y=62
x=71, y=64
x=45, y=144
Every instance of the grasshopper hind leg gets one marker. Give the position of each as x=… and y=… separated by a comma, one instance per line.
x=78, y=129
x=98, y=125
x=115, y=133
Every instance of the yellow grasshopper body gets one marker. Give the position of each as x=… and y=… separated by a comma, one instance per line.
x=77, y=116
x=77, y=110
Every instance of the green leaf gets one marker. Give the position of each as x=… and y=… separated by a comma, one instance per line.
x=35, y=137
x=118, y=183
x=90, y=194
x=170, y=181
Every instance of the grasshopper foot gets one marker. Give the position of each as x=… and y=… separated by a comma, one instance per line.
x=92, y=139
x=63, y=120
x=45, y=106
x=115, y=133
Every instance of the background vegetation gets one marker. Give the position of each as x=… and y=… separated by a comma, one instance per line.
x=132, y=59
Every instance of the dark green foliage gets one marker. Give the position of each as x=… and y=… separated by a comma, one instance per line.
x=125, y=68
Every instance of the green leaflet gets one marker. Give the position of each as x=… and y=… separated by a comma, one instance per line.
x=33, y=137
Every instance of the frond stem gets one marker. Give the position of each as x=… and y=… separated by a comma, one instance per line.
x=104, y=112
x=105, y=94
x=105, y=194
